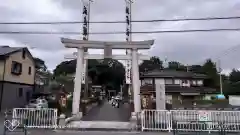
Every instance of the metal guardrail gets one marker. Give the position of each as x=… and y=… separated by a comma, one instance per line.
x=36, y=117
x=12, y=125
x=190, y=120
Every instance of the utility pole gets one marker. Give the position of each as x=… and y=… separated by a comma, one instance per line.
x=128, y=12
x=86, y=18
x=220, y=76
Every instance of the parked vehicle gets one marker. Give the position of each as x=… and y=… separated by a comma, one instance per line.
x=38, y=103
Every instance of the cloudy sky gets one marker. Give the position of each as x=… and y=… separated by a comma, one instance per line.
x=188, y=48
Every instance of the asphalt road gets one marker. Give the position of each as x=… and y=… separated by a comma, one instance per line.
x=47, y=132
x=107, y=112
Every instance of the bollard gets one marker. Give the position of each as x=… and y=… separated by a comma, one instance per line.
x=62, y=118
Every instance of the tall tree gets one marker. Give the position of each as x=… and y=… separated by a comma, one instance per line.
x=234, y=76
x=40, y=64
x=103, y=72
x=174, y=65
x=209, y=68
x=196, y=69
x=148, y=65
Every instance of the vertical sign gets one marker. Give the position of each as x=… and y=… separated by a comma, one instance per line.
x=128, y=38
x=85, y=34
x=160, y=94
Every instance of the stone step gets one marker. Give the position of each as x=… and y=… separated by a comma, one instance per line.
x=101, y=126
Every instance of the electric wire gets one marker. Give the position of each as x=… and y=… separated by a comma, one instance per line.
x=134, y=21
x=120, y=32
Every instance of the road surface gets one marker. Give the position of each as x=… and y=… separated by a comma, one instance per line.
x=47, y=132
x=107, y=112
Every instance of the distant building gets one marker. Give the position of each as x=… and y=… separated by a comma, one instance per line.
x=180, y=86
x=42, y=80
x=17, y=73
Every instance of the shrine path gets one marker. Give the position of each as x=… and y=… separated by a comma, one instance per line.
x=107, y=112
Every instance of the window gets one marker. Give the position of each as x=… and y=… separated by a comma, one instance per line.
x=29, y=70
x=176, y=81
x=147, y=81
x=194, y=82
x=199, y=82
x=168, y=81
x=20, y=92
x=185, y=81
x=23, y=54
x=16, y=68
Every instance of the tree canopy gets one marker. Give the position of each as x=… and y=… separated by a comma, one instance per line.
x=148, y=65
x=105, y=72
x=40, y=64
x=112, y=73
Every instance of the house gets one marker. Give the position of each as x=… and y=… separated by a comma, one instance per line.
x=180, y=86
x=42, y=80
x=17, y=73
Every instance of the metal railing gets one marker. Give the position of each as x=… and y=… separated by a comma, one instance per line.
x=36, y=117
x=190, y=120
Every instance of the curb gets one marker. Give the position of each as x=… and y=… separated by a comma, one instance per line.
x=96, y=129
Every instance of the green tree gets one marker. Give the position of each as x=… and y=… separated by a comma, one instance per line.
x=174, y=65
x=234, y=76
x=103, y=72
x=209, y=68
x=196, y=69
x=148, y=65
x=231, y=85
x=40, y=64
x=69, y=67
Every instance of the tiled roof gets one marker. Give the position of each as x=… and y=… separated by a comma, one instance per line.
x=173, y=89
x=5, y=50
x=172, y=73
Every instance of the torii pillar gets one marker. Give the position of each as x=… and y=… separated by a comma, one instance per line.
x=81, y=44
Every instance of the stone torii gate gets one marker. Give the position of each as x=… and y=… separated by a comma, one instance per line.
x=100, y=56
x=107, y=46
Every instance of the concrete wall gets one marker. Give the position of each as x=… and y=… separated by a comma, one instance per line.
x=11, y=98
x=26, y=63
x=234, y=100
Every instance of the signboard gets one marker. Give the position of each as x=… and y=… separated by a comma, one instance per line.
x=128, y=38
x=85, y=34
x=203, y=116
x=84, y=71
x=160, y=94
x=128, y=72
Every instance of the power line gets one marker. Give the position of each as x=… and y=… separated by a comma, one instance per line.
x=220, y=54
x=136, y=21
x=119, y=32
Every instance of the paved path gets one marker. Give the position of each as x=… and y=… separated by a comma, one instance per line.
x=47, y=132
x=108, y=113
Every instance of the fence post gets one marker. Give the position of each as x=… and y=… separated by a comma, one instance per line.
x=142, y=119
x=55, y=121
x=169, y=114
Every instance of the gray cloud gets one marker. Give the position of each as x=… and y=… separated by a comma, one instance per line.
x=189, y=48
